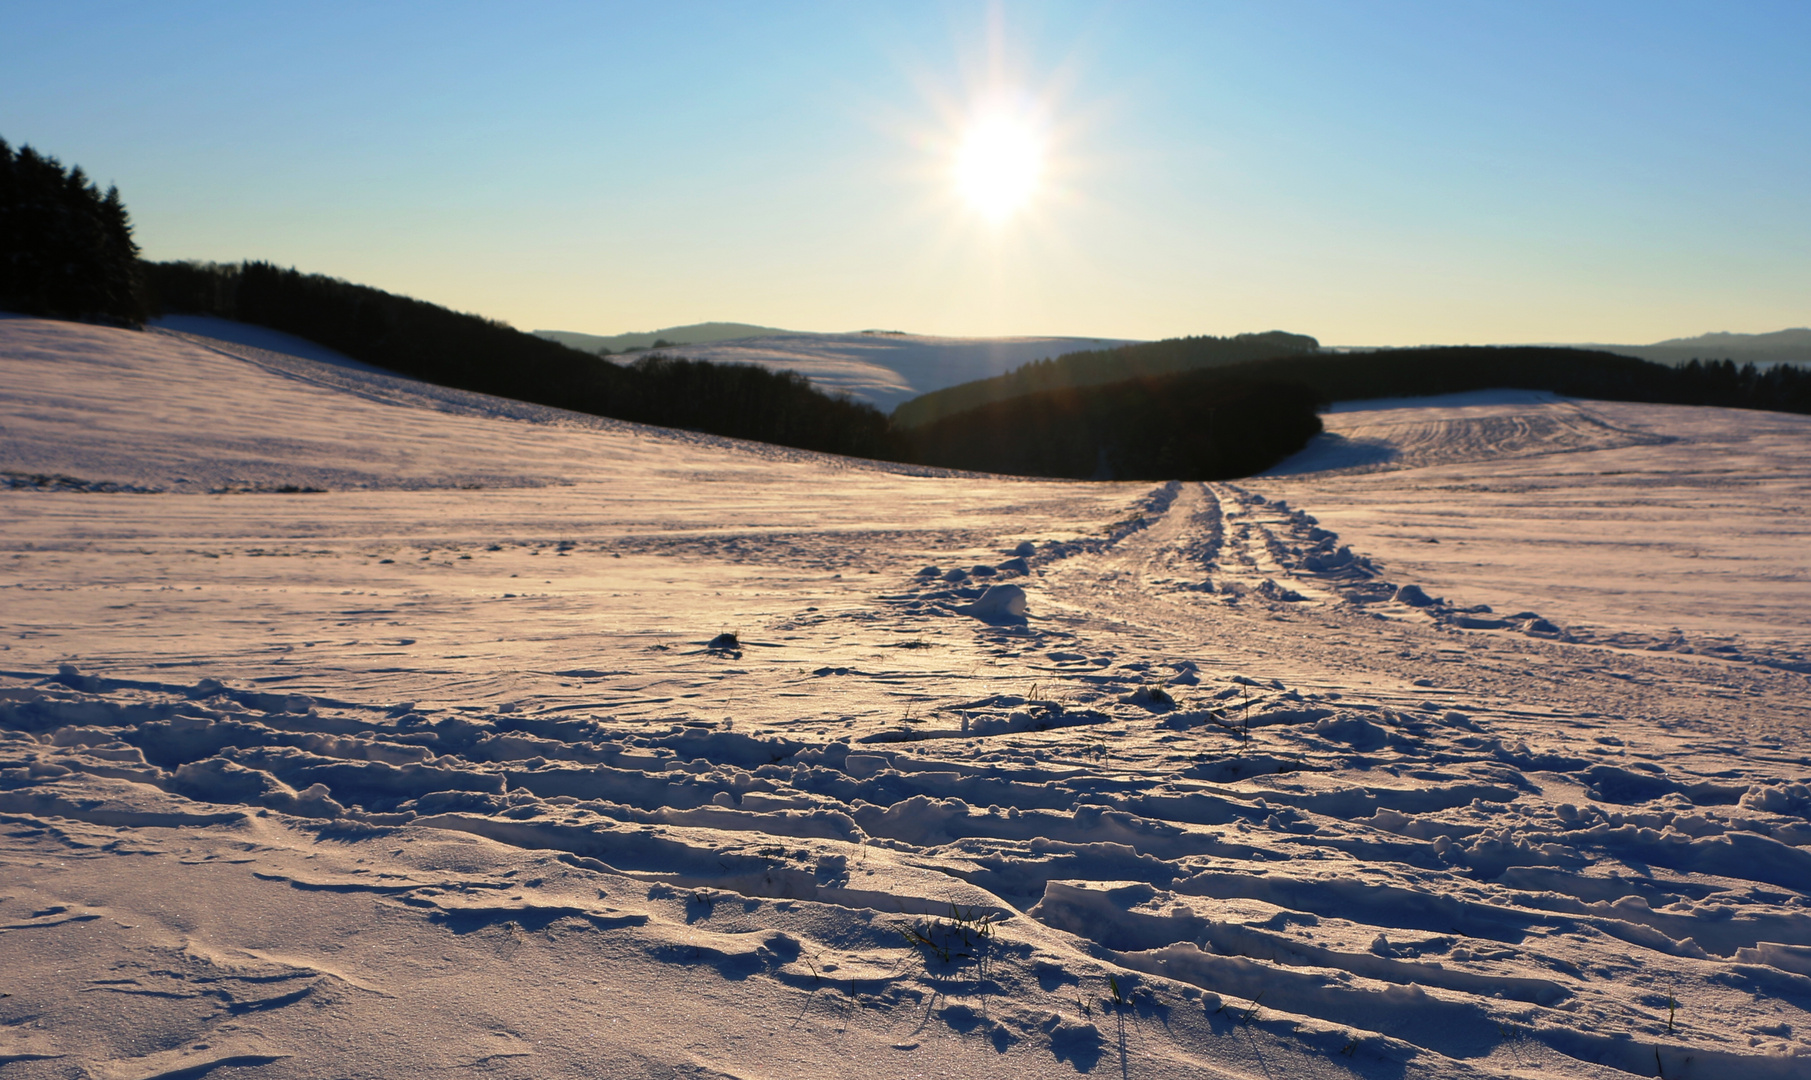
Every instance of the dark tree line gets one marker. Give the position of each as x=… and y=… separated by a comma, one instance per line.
x=1780, y=387
x=748, y=401
x=66, y=248
x=1192, y=425
x=1099, y=367
x=1583, y=373
x=437, y=345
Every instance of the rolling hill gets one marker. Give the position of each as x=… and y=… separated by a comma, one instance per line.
x=674, y=336
x=1778, y=347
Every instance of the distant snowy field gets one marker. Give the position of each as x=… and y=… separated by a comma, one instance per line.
x=356, y=727
x=886, y=370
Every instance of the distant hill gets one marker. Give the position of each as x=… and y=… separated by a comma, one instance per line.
x=1778, y=347
x=879, y=367
x=671, y=337
x=887, y=368
x=1098, y=367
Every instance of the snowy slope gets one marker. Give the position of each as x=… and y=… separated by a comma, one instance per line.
x=449, y=765
x=1654, y=523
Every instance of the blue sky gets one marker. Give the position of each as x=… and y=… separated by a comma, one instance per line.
x=1378, y=173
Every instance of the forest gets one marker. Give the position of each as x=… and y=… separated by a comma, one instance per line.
x=1098, y=367
x=1191, y=425
x=66, y=247
x=1580, y=373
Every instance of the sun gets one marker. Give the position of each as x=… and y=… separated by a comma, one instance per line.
x=998, y=163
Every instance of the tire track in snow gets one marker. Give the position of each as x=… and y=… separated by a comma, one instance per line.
x=1425, y=877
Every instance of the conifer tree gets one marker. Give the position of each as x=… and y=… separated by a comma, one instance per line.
x=66, y=249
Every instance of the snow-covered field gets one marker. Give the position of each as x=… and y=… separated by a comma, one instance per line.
x=351, y=727
x=886, y=369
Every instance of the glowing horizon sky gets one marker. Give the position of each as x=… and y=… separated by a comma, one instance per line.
x=1384, y=173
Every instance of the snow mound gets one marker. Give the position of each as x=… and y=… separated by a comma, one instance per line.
x=1000, y=603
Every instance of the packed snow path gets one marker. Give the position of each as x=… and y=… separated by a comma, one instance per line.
x=702, y=764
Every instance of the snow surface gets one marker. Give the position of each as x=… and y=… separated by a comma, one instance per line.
x=258, y=337
x=539, y=745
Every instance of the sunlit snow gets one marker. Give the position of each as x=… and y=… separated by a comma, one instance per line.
x=351, y=726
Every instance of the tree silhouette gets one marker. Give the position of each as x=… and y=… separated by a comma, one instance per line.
x=66, y=248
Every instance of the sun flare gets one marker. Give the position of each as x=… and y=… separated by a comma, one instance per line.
x=998, y=164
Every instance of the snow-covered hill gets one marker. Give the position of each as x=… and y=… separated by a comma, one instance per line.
x=541, y=745
x=887, y=369
x=690, y=334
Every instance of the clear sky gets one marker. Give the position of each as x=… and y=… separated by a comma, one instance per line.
x=1369, y=173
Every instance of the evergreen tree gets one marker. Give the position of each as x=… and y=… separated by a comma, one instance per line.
x=66, y=249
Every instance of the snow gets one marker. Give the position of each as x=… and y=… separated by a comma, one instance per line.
x=1467, y=399
x=888, y=369
x=449, y=764
x=262, y=338
x=1000, y=603
x=882, y=369
x=1657, y=522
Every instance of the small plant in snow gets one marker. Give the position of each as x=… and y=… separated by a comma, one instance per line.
x=956, y=937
